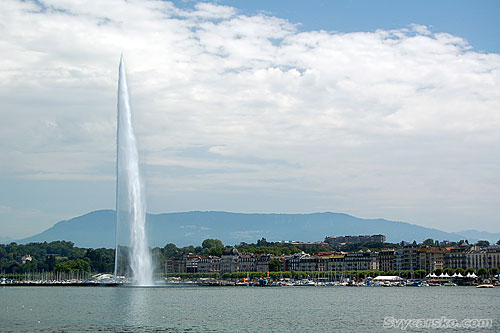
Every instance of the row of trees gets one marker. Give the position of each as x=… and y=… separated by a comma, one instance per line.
x=483, y=272
x=480, y=243
x=58, y=256
x=63, y=256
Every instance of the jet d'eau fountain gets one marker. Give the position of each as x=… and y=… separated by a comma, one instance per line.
x=132, y=257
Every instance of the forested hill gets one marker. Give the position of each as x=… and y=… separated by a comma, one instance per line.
x=97, y=229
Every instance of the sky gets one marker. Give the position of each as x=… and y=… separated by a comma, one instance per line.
x=385, y=109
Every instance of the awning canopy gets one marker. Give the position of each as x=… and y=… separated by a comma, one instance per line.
x=387, y=278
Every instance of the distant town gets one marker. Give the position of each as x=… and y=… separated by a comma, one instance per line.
x=359, y=256
x=368, y=253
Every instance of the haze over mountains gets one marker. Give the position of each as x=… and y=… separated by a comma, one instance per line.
x=97, y=229
x=5, y=239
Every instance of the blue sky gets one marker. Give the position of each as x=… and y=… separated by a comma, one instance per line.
x=372, y=108
x=475, y=21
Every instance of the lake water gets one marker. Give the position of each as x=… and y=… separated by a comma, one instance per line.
x=244, y=309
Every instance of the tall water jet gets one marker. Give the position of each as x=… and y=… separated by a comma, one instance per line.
x=132, y=257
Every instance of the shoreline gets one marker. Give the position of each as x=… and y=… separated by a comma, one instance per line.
x=253, y=283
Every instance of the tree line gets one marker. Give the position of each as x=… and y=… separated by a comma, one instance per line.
x=57, y=256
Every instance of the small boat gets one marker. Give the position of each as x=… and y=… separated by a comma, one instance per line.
x=485, y=286
x=450, y=284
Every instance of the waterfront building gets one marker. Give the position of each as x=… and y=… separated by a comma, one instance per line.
x=336, y=262
x=229, y=262
x=488, y=257
x=493, y=256
x=398, y=263
x=431, y=258
x=293, y=263
x=177, y=264
x=410, y=257
x=476, y=259
x=192, y=261
x=456, y=257
x=361, y=261
x=210, y=264
x=311, y=263
x=247, y=263
x=321, y=262
x=262, y=263
x=386, y=259
x=285, y=262
x=183, y=263
x=307, y=262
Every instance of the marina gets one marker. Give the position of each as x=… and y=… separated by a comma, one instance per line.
x=107, y=280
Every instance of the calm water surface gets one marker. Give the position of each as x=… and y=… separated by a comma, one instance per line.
x=231, y=309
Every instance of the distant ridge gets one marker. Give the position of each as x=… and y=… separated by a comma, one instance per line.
x=5, y=239
x=492, y=237
x=97, y=229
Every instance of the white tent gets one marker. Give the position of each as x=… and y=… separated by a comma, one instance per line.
x=460, y=275
x=428, y=275
x=446, y=275
x=387, y=278
x=468, y=275
x=433, y=275
x=442, y=276
x=473, y=275
x=454, y=275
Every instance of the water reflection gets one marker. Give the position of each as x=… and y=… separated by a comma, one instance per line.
x=137, y=308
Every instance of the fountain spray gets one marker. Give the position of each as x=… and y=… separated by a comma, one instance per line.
x=132, y=256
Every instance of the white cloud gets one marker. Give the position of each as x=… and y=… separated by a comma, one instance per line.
x=210, y=11
x=221, y=150
x=381, y=123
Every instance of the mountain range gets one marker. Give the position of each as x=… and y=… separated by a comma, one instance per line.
x=97, y=229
